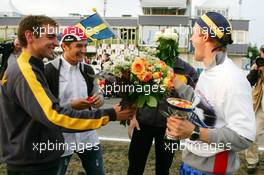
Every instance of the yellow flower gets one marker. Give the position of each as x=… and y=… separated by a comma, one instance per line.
x=157, y=75
x=138, y=66
x=148, y=67
x=168, y=82
x=162, y=64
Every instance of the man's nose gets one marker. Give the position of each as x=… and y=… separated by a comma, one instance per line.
x=56, y=42
x=191, y=38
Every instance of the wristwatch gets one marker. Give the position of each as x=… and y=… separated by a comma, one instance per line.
x=195, y=134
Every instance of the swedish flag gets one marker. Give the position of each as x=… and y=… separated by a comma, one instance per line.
x=96, y=28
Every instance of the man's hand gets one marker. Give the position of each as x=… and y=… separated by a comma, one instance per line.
x=261, y=68
x=133, y=124
x=179, y=127
x=255, y=67
x=97, y=100
x=81, y=104
x=125, y=114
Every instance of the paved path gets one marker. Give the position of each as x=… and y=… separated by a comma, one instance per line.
x=113, y=130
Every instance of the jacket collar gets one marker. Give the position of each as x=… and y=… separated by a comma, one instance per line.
x=37, y=62
x=67, y=65
x=179, y=64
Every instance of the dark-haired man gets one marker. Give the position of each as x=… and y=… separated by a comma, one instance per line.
x=31, y=119
x=70, y=81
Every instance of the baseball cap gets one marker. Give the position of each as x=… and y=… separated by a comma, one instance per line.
x=73, y=33
x=217, y=26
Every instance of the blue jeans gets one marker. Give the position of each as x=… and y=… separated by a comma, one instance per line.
x=92, y=162
x=187, y=170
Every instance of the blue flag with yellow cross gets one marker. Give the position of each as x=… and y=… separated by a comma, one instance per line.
x=96, y=28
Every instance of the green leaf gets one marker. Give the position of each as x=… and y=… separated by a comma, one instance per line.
x=152, y=101
x=141, y=101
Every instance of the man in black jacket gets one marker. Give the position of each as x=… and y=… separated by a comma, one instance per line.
x=149, y=124
x=10, y=52
x=31, y=119
x=71, y=82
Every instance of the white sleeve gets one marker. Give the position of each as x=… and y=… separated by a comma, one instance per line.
x=238, y=111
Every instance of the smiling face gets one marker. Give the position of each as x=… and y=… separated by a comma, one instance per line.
x=46, y=43
x=37, y=35
x=42, y=46
x=75, y=51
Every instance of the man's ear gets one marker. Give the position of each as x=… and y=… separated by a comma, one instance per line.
x=64, y=47
x=29, y=36
x=206, y=38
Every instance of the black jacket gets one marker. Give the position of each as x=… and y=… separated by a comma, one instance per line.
x=52, y=72
x=30, y=115
x=253, y=76
x=151, y=116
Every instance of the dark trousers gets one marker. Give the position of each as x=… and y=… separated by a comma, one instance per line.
x=49, y=171
x=140, y=146
x=92, y=162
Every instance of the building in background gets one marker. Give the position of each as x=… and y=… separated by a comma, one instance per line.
x=160, y=14
x=156, y=15
x=231, y=10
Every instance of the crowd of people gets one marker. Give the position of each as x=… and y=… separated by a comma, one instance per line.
x=50, y=111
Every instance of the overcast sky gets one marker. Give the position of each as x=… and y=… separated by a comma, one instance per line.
x=251, y=9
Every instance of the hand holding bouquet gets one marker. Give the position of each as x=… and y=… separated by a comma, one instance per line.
x=141, y=81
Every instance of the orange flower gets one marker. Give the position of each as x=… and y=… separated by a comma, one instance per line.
x=145, y=77
x=149, y=67
x=138, y=66
x=168, y=82
x=157, y=75
x=162, y=65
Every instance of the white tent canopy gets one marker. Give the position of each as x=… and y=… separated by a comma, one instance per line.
x=164, y=3
x=8, y=9
x=213, y=4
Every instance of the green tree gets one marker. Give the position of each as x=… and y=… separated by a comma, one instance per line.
x=252, y=53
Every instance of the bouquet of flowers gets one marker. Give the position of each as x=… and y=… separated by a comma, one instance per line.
x=167, y=49
x=141, y=80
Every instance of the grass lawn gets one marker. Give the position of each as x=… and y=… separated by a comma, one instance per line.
x=116, y=163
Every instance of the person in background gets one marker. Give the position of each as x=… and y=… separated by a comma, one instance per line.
x=10, y=52
x=256, y=79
